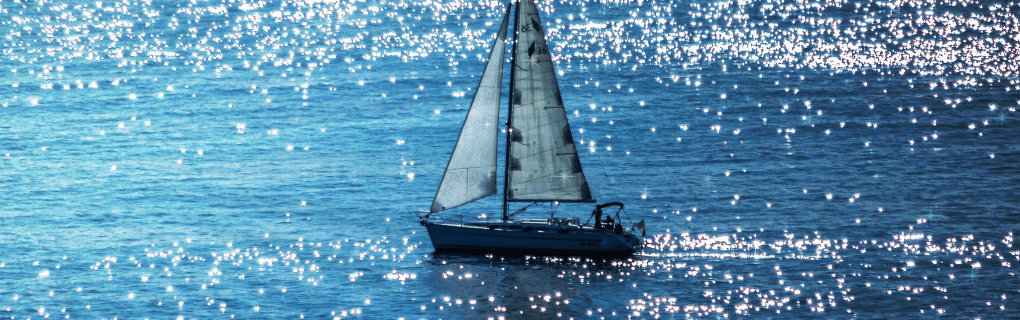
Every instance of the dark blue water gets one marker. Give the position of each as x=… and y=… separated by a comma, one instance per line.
x=215, y=159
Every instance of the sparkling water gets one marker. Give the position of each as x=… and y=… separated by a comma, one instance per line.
x=264, y=159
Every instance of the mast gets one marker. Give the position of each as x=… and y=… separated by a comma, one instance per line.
x=510, y=118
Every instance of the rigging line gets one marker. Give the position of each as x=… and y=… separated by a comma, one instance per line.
x=626, y=215
x=510, y=112
x=602, y=165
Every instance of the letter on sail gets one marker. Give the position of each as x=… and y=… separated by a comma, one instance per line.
x=471, y=173
x=547, y=167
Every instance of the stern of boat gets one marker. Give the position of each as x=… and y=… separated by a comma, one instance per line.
x=632, y=241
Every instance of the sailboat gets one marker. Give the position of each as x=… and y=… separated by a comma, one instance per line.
x=541, y=164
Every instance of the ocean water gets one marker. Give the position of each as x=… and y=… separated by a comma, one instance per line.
x=265, y=159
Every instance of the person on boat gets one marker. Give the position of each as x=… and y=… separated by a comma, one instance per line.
x=609, y=222
x=598, y=217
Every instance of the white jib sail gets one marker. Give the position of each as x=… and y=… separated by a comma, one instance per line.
x=544, y=165
x=471, y=173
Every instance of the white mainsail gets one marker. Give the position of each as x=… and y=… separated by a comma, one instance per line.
x=471, y=173
x=543, y=164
